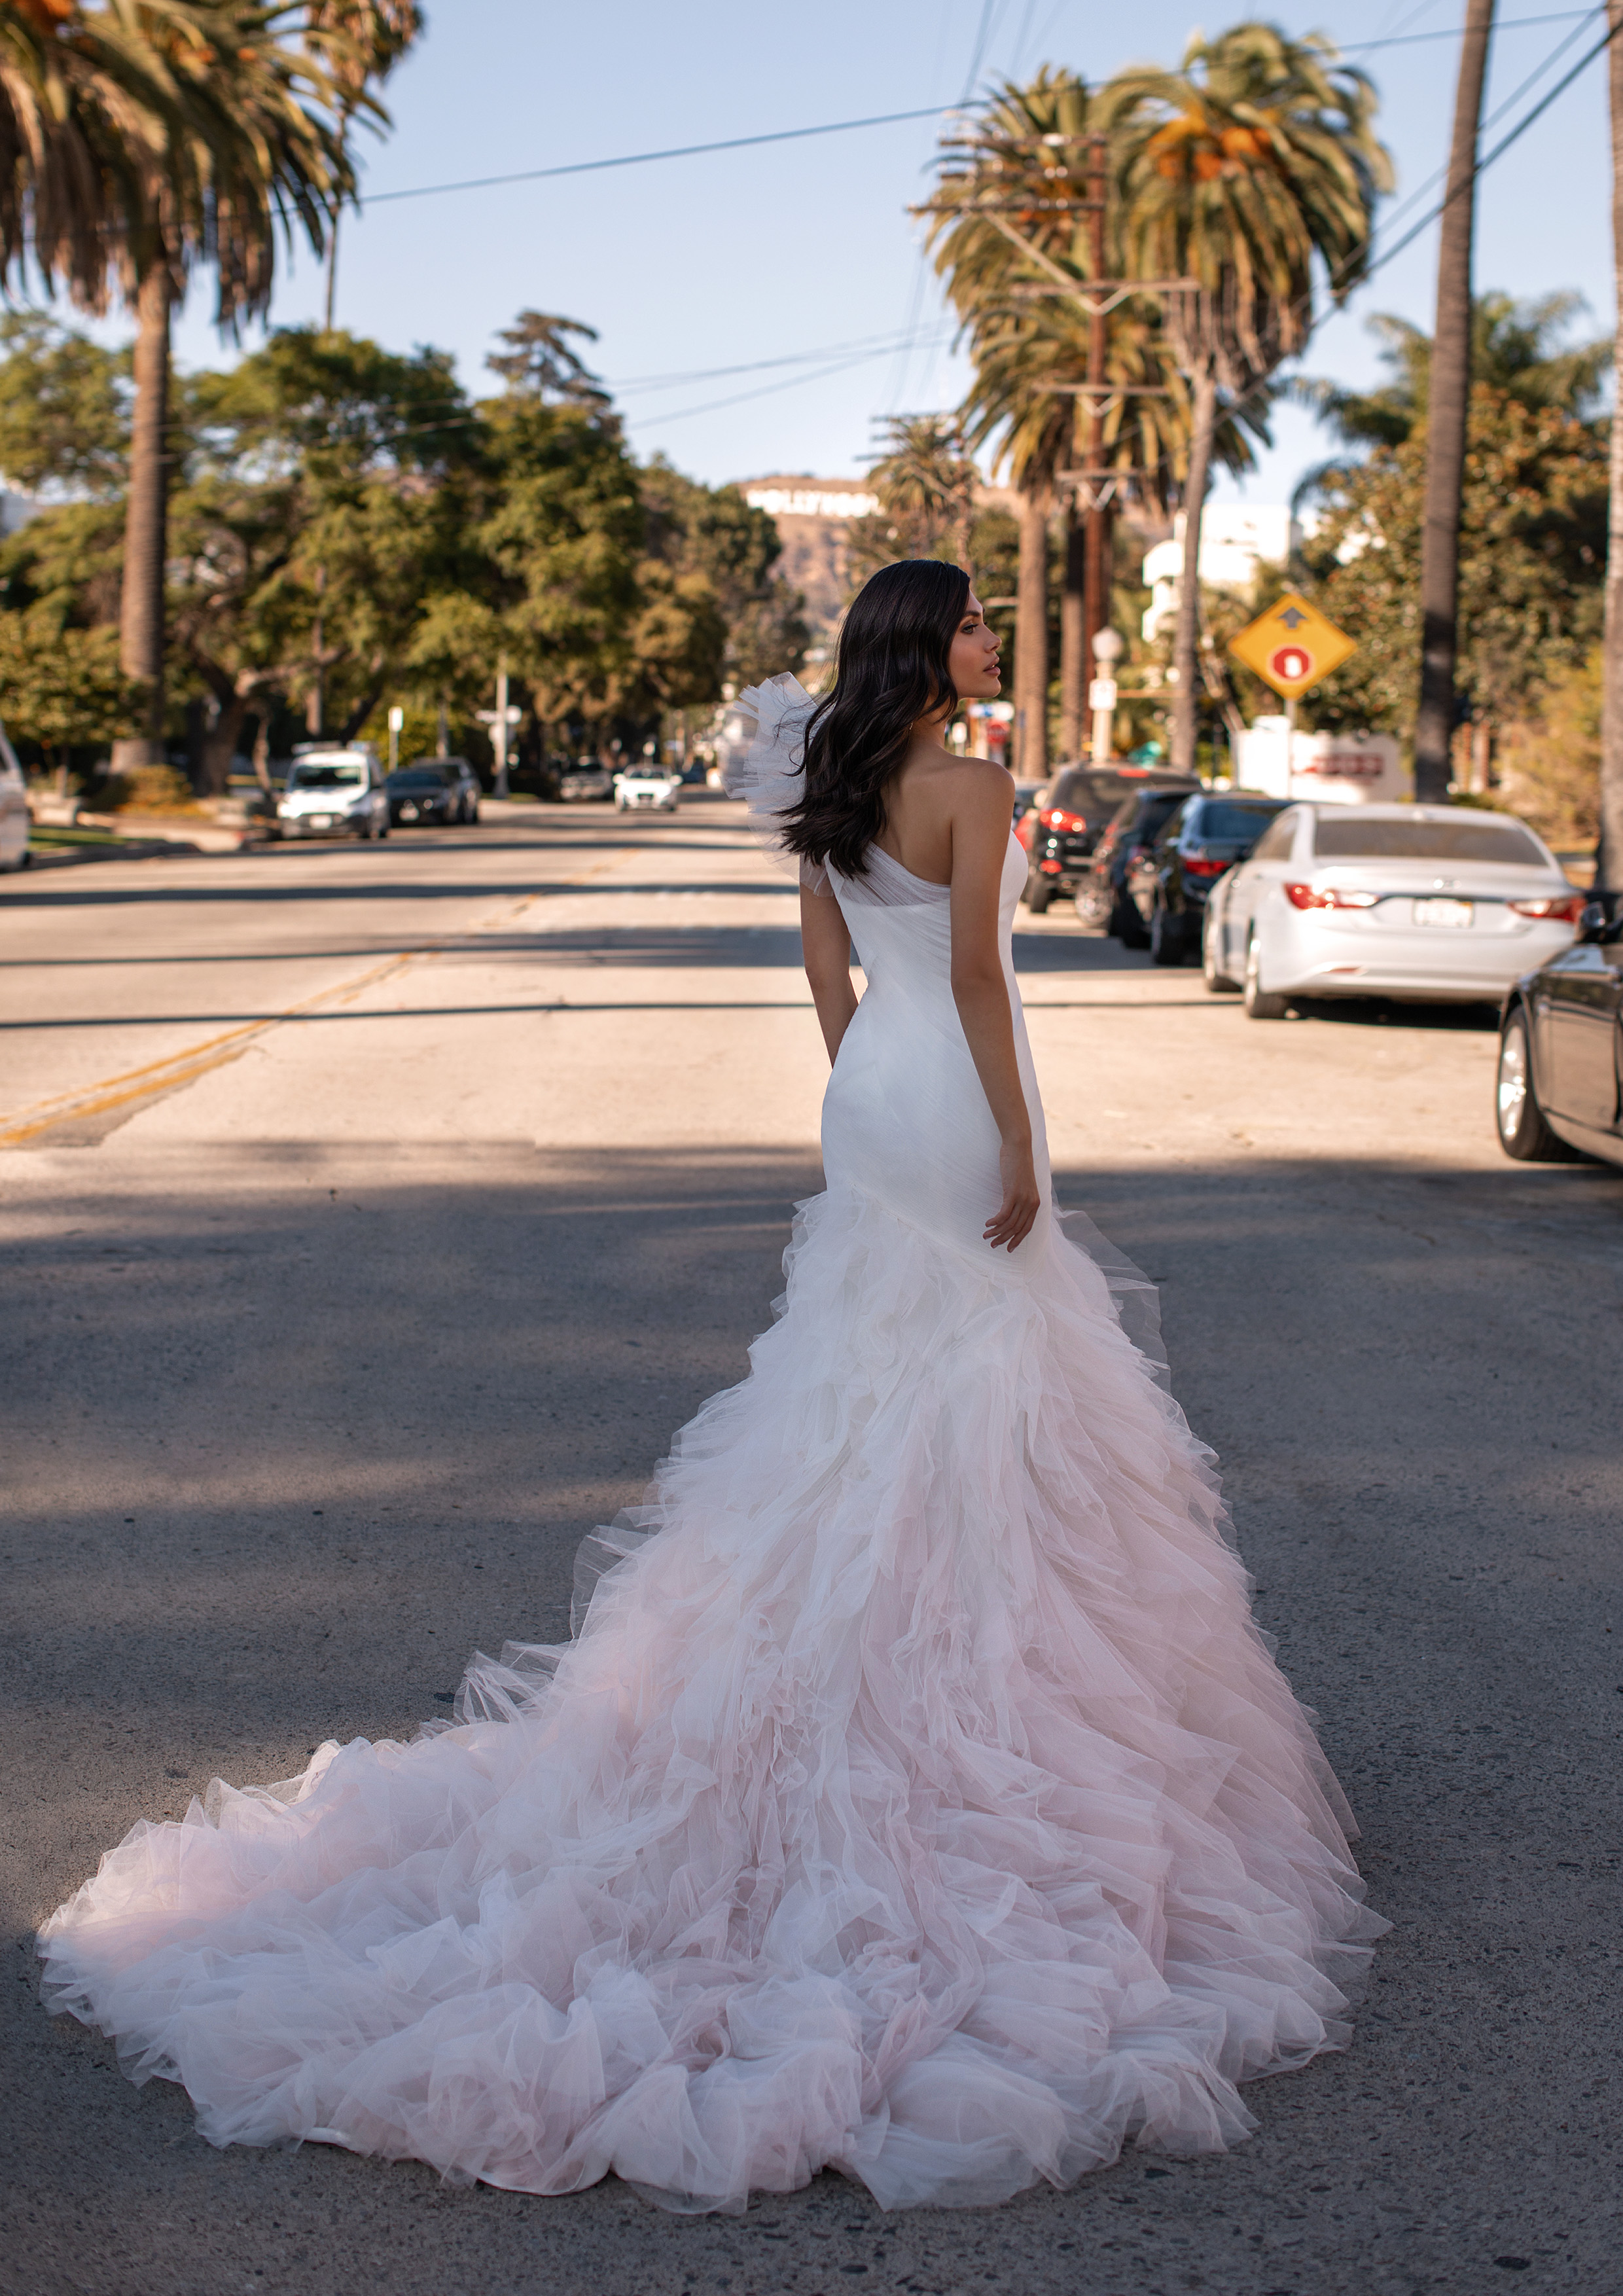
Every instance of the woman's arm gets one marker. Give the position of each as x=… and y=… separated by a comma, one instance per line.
x=825, y=945
x=983, y=806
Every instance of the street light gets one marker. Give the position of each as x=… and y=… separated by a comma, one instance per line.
x=1108, y=649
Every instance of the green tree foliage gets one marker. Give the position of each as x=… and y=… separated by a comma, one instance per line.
x=1533, y=524
x=708, y=537
x=347, y=513
x=62, y=686
x=64, y=409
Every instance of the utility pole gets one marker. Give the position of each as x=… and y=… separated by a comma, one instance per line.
x=1609, y=859
x=1447, y=405
x=498, y=720
x=1095, y=583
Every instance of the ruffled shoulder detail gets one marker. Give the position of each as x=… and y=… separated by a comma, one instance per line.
x=763, y=746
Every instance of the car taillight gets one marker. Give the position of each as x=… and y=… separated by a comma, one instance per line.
x=1025, y=828
x=1054, y=817
x=1566, y=907
x=1327, y=897
x=1197, y=865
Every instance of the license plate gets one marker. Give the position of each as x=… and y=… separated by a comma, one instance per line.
x=1442, y=913
x=322, y=821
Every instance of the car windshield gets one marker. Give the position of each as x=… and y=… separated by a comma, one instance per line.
x=1089, y=791
x=314, y=776
x=1350, y=837
x=418, y=777
x=1229, y=821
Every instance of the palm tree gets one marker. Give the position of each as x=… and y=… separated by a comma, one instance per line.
x=1008, y=201
x=359, y=41
x=1018, y=284
x=1609, y=859
x=138, y=139
x=1234, y=173
x=926, y=484
x=1448, y=402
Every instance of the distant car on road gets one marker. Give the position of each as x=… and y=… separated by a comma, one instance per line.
x=1102, y=898
x=584, y=777
x=1559, y=1083
x=646, y=789
x=1060, y=832
x=1439, y=904
x=1169, y=883
x=433, y=791
x=14, y=822
x=333, y=792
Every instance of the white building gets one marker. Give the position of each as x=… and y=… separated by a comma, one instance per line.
x=1235, y=539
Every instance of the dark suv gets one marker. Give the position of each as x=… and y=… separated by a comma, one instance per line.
x=1061, y=832
x=1168, y=884
x=441, y=790
x=1103, y=899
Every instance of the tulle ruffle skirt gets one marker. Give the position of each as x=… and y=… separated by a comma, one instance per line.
x=917, y=1798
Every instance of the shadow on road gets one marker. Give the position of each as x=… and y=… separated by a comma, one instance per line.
x=291, y=1439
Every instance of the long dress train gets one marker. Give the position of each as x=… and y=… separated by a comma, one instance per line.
x=917, y=1797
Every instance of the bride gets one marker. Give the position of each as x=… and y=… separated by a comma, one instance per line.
x=917, y=1797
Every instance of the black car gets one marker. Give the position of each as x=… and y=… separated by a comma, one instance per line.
x=1060, y=832
x=1167, y=885
x=1132, y=829
x=1561, y=1049
x=435, y=791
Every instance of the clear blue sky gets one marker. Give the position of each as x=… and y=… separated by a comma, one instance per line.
x=689, y=265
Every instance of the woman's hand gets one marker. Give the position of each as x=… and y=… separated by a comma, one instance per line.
x=1012, y=1222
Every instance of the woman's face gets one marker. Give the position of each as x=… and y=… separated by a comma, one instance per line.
x=973, y=659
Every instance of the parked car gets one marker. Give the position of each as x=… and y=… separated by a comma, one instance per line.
x=1434, y=903
x=469, y=789
x=1560, y=1048
x=585, y=777
x=1168, y=881
x=433, y=791
x=1103, y=898
x=1026, y=795
x=646, y=789
x=333, y=792
x=15, y=821
x=1060, y=832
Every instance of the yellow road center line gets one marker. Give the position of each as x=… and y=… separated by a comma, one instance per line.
x=163, y=1076
x=181, y=1068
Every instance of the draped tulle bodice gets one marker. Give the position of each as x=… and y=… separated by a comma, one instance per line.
x=905, y=1119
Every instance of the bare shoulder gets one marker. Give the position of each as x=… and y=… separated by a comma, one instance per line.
x=979, y=792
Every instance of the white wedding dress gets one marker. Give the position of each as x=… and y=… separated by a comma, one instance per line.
x=917, y=1797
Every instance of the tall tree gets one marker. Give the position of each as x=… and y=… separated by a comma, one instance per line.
x=1234, y=174
x=1609, y=869
x=359, y=43
x=139, y=140
x=926, y=486
x=1447, y=401
x=1009, y=210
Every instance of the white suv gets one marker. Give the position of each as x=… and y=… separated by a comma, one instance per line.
x=333, y=792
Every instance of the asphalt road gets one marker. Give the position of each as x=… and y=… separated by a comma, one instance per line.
x=371, y=1217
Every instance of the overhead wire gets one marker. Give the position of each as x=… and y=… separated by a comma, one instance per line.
x=845, y=127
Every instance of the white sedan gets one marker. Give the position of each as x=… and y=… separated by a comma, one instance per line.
x=647, y=789
x=1430, y=903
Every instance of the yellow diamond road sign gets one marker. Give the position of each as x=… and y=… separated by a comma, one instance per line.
x=1291, y=646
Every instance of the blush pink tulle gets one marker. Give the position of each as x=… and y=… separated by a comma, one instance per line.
x=917, y=1798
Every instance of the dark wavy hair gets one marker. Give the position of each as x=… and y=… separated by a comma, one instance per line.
x=890, y=670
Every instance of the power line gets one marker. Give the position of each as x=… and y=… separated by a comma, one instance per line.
x=674, y=152
x=847, y=127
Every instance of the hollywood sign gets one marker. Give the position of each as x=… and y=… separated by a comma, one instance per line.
x=811, y=502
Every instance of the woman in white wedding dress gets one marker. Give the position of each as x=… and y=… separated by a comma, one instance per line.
x=917, y=1797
